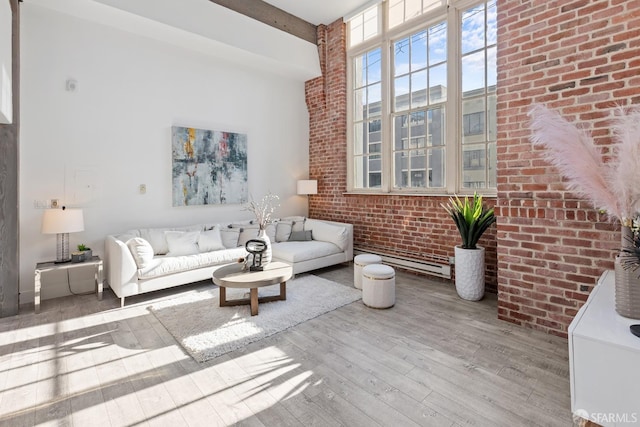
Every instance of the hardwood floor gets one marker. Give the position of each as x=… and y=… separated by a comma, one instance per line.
x=431, y=360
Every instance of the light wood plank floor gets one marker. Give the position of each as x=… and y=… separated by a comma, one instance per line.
x=431, y=360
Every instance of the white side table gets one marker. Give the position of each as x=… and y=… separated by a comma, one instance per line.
x=42, y=267
x=603, y=361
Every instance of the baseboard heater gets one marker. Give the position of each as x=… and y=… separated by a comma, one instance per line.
x=436, y=265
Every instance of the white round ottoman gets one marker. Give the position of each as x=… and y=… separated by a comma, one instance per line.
x=359, y=262
x=378, y=286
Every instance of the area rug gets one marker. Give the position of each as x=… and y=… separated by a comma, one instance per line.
x=206, y=330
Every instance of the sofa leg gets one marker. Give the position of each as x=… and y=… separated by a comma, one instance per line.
x=122, y=302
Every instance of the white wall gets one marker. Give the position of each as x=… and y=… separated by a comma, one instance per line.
x=94, y=146
x=6, y=102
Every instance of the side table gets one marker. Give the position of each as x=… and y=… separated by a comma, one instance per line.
x=42, y=267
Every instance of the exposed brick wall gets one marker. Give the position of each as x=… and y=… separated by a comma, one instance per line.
x=549, y=247
x=411, y=226
x=580, y=58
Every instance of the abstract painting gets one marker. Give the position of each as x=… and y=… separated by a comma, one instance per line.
x=209, y=167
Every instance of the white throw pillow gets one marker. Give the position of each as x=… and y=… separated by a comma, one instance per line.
x=283, y=230
x=182, y=242
x=141, y=250
x=297, y=222
x=271, y=232
x=157, y=239
x=210, y=240
x=230, y=237
x=248, y=232
x=335, y=234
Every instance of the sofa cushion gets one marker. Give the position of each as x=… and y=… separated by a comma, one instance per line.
x=210, y=240
x=182, y=242
x=297, y=222
x=336, y=234
x=165, y=265
x=292, y=252
x=141, y=250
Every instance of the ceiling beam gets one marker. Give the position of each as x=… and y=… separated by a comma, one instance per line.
x=273, y=16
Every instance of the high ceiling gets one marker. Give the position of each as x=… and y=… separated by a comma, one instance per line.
x=318, y=11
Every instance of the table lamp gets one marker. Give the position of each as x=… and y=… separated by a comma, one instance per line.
x=61, y=222
x=307, y=186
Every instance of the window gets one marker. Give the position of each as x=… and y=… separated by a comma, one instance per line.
x=432, y=59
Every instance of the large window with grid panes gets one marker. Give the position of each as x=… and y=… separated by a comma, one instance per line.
x=422, y=97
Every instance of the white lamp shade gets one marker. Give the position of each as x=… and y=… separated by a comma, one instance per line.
x=308, y=186
x=56, y=221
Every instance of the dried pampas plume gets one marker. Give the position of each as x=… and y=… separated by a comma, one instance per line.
x=612, y=186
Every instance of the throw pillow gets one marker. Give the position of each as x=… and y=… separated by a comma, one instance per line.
x=271, y=232
x=157, y=239
x=248, y=232
x=210, y=240
x=182, y=242
x=283, y=230
x=336, y=234
x=230, y=237
x=141, y=250
x=300, y=236
x=297, y=221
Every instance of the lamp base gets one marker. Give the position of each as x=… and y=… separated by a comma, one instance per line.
x=62, y=248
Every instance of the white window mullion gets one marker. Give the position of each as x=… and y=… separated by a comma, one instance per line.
x=453, y=145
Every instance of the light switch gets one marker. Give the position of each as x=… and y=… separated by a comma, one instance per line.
x=143, y=188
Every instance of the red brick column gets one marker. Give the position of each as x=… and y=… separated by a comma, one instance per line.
x=581, y=58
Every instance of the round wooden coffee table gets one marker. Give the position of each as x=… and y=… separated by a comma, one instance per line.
x=232, y=276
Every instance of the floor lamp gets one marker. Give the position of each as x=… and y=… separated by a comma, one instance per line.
x=61, y=222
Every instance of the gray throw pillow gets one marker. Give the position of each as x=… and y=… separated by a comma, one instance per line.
x=300, y=236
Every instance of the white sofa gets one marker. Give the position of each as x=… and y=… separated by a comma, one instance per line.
x=150, y=259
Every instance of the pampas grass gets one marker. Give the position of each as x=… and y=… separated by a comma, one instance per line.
x=614, y=185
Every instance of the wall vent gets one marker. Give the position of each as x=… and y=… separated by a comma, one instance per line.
x=435, y=265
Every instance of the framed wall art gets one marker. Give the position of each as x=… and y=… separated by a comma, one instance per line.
x=209, y=167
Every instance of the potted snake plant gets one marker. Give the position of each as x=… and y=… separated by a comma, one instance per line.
x=472, y=218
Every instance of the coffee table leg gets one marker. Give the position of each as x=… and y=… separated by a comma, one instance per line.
x=283, y=290
x=223, y=296
x=254, y=301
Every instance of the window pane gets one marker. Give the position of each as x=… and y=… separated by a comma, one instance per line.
x=419, y=89
x=412, y=8
x=401, y=57
x=438, y=83
x=438, y=43
x=396, y=12
x=436, y=168
x=473, y=126
x=401, y=132
x=401, y=173
x=359, y=104
x=473, y=74
x=374, y=94
x=374, y=66
x=401, y=90
x=419, y=51
x=474, y=166
x=370, y=23
x=491, y=118
x=355, y=31
x=435, y=126
x=360, y=172
x=492, y=26
x=359, y=142
x=473, y=37
x=492, y=69
x=359, y=71
x=493, y=160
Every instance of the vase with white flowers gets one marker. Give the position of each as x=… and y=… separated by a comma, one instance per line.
x=263, y=210
x=611, y=185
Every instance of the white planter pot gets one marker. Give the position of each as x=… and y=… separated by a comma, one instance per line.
x=469, y=266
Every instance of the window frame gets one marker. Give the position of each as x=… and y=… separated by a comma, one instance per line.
x=452, y=15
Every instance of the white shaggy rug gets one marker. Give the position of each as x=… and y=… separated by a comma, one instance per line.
x=207, y=330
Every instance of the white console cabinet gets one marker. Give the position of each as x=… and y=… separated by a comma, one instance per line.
x=604, y=361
